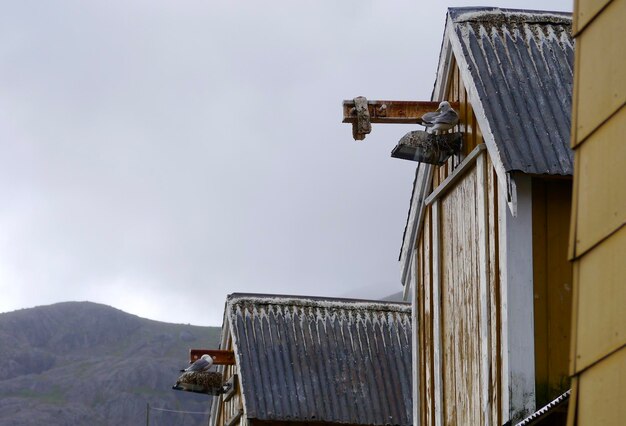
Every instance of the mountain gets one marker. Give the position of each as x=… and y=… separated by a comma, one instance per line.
x=82, y=363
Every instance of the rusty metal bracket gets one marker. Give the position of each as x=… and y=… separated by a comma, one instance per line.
x=362, y=113
x=220, y=357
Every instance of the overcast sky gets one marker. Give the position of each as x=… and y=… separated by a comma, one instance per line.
x=158, y=155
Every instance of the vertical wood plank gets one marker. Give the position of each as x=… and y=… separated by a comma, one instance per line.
x=494, y=293
x=436, y=314
x=483, y=265
x=460, y=303
x=428, y=319
x=417, y=333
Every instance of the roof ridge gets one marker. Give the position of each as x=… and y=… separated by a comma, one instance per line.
x=327, y=302
x=486, y=14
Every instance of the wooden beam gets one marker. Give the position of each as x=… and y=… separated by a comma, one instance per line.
x=219, y=357
x=456, y=175
x=401, y=112
x=234, y=419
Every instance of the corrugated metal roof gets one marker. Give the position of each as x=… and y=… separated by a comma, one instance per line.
x=545, y=411
x=521, y=63
x=315, y=359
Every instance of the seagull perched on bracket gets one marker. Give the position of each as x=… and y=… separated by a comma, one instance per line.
x=441, y=120
x=203, y=364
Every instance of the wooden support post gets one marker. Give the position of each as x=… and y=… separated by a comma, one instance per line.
x=219, y=357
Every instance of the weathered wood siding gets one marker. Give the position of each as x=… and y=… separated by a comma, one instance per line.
x=552, y=282
x=598, y=232
x=457, y=284
x=460, y=305
x=458, y=288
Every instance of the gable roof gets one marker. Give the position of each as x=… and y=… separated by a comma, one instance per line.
x=517, y=68
x=520, y=65
x=306, y=359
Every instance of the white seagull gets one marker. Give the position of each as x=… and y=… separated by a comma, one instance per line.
x=203, y=364
x=441, y=120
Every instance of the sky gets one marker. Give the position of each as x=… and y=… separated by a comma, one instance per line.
x=156, y=156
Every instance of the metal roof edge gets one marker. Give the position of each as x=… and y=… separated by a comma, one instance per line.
x=561, y=399
x=470, y=14
x=316, y=301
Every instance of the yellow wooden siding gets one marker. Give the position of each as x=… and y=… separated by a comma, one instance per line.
x=601, y=319
x=584, y=11
x=552, y=281
x=601, y=201
x=602, y=46
x=601, y=392
x=598, y=235
x=460, y=305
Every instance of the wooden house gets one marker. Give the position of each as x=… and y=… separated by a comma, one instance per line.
x=484, y=254
x=598, y=233
x=308, y=360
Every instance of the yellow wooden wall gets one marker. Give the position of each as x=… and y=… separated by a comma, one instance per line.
x=552, y=281
x=598, y=234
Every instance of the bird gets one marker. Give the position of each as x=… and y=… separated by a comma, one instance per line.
x=203, y=364
x=441, y=120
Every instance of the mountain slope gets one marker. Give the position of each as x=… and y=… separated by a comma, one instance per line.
x=85, y=363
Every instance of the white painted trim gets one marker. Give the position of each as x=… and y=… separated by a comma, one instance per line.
x=415, y=364
x=481, y=116
x=436, y=272
x=406, y=292
x=516, y=289
x=483, y=272
x=444, y=67
x=504, y=325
